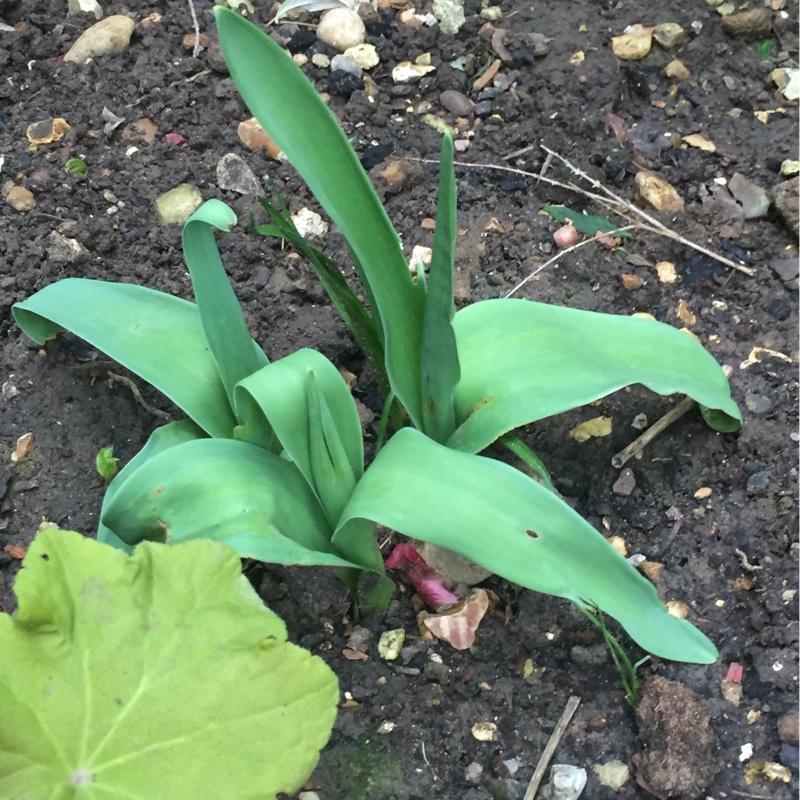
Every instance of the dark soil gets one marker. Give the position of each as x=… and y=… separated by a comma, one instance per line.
x=732, y=556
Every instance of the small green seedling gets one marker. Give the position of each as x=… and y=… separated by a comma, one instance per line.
x=77, y=168
x=764, y=49
x=106, y=463
x=160, y=674
x=590, y=224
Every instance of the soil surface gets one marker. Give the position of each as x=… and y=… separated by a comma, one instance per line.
x=730, y=554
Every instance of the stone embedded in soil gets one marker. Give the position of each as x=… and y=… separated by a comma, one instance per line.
x=61, y=250
x=342, y=29
x=789, y=728
x=634, y=44
x=677, y=70
x=21, y=199
x=669, y=34
x=365, y=55
x=450, y=14
x=758, y=404
x=613, y=774
x=406, y=72
x=233, y=175
x=252, y=136
x=657, y=192
x=753, y=199
x=675, y=729
x=177, y=205
x=399, y=174
x=345, y=63
x=456, y=102
x=755, y=23
x=785, y=197
x=109, y=37
x=758, y=483
x=624, y=484
x=566, y=783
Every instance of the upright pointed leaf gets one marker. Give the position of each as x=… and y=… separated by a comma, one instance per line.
x=508, y=523
x=157, y=336
x=523, y=361
x=220, y=312
x=291, y=111
x=440, y=370
x=253, y=501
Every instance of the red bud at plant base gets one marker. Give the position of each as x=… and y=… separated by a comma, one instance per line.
x=428, y=583
x=735, y=672
x=566, y=236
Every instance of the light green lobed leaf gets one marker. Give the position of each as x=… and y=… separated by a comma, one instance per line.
x=157, y=675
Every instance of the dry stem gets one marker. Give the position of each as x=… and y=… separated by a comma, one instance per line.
x=550, y=749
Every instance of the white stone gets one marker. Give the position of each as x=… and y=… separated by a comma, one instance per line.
x=341, y=28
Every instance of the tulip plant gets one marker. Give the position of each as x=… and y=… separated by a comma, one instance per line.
x=270, y=460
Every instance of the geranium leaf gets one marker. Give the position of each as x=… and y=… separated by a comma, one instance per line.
x=154, y=675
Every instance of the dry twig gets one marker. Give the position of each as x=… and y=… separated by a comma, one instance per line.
x=636, y=447
x=608, y=200
x=550, y=749
x=156, y=412
x=197, y=48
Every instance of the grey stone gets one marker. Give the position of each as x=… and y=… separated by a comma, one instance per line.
x=758, y=483
x=233, y=175
x=786, y=203
x=753, y=199
x=758, y=404
x=625, y=484
x=456, y=102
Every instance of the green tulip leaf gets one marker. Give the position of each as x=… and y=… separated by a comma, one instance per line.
x=523, y=361
x=156, y=675
x=501, y=519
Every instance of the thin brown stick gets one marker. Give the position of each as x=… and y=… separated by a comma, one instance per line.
x=646, y=217
x=550, y=749
x=156, y=412
x=610, y=201
x=566, y=250
x=196, y=50
x=636, y=447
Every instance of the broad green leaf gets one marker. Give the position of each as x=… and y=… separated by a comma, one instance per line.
x=523, y=361
x=157, y=336
x=161, y=439
x=513, y=526
x=236, y=493
x=585, y=223
x=157, y=675
x=286, y=104
x=220, y=312
x=440, y=370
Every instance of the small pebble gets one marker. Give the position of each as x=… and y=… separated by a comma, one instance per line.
x=21, y=199
x=109, y=37
x=473, y=773
x=456, y=102
x=483, y=109
x=758, y=404
x=780, y=309
x=624, y=484
x=754, y=200
x=677, y=71
x=669, y=34
x=594, y=655
x=790, y=757
x=789, y=728
x=757, y=483
x=341, y=28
